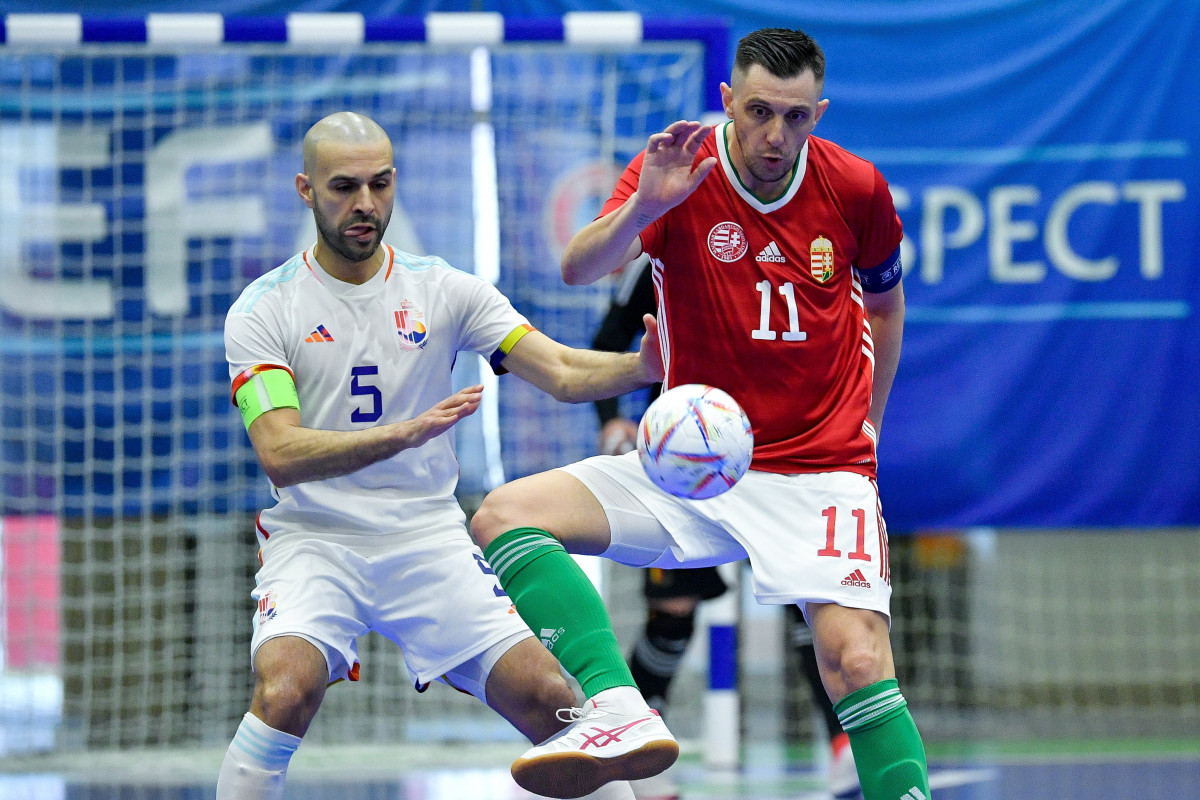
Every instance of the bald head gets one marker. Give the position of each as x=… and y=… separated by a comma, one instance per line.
x=349, y=182
x=342, y=128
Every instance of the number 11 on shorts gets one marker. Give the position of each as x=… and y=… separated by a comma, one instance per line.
x=859, y=552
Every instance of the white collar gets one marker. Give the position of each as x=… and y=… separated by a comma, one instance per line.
x=735, y=180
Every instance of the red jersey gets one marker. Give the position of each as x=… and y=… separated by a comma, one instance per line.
x=762, y=299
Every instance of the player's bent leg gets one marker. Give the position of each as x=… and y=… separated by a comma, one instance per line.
x=852, y=647
x=615, y=736
x=290, y=680
x=855, y=657
x=552, y=594
x=561, y=606
x=527, y=688
x=553, y=501
x=842, y=776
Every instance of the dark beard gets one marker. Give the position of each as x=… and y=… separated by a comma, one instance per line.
x=347, y=249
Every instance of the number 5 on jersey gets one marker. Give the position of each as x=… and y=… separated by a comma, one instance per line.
x=358, y=387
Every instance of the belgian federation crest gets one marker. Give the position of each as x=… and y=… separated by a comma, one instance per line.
x=820, y=259
x=410, y=326
x=266, y=607
x=727, y=242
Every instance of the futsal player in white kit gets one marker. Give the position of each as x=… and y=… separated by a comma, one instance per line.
x=340, y=361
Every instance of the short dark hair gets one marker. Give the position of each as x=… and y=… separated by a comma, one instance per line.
x=783, y=52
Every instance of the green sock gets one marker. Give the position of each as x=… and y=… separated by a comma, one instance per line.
x=887, y=746
x=561, y=607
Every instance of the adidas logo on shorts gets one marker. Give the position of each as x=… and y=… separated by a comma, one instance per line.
x=856, y=578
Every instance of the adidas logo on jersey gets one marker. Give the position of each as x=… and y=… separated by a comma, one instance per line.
x=913, y=794
x=856, y=578
x=320, y=335
x=771, y=253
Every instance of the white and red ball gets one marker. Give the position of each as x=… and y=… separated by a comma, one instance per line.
x=695, y=441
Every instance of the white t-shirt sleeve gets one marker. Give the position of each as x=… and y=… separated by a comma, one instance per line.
x=254, y=337
x=486, y=317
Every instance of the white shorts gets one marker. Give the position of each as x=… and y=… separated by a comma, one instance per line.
x=434, y=596
x=810, y=538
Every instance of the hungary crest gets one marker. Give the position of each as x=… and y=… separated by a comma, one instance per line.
x=727, y=242
x=820, y=259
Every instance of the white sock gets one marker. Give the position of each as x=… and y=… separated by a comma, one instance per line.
x=256, y=762
x=625, y=699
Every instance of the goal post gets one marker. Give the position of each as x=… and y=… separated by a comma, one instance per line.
x=146, y=177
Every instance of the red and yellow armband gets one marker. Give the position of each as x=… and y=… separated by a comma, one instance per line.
x=263, y=388
x=506, y=346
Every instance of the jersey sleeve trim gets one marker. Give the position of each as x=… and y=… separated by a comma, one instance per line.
x=883, y=277
x=515, y=335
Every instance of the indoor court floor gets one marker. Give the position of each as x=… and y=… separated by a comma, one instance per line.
x=1133, y=771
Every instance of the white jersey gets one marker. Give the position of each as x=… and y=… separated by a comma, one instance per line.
x=366, y=355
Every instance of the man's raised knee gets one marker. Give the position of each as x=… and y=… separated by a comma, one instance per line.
x=286, y=702
x=860, y=667
x=487, y=523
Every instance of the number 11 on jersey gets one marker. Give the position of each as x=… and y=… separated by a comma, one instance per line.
x=763, y=331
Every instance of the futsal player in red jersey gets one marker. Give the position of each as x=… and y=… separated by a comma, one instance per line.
x=776, y=258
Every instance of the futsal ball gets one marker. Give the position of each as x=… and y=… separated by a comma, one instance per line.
x=695, y=441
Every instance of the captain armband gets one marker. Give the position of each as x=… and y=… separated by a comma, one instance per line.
x=506, y=346
x=883, y=277
x=263, y=388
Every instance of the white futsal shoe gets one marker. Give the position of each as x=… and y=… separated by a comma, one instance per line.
x=609, y=739
x=843, y=774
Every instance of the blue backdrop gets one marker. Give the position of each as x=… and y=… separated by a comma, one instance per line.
x=1044, y=160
